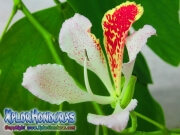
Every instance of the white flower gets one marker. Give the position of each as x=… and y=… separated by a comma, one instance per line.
x=52, y=83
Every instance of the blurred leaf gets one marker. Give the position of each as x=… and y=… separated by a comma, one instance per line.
x=163, y=16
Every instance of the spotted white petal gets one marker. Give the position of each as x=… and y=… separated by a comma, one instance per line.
x=137, y=40
x=116, y=121
x=134, y=44
x=2, y=128
x=52, y=83
x=75, y=38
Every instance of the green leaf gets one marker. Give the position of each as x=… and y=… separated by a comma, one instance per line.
x=141, y=70
x=148, y=107
x=22, y=47
x=163, y=16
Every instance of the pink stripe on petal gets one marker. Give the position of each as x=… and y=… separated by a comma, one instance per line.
x=52, y=83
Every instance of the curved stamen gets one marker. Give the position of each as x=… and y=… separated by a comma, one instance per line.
x=96, y=98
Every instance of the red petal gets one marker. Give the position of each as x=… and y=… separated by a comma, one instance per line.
x=116, y=23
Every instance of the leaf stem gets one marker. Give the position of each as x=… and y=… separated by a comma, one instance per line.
x=177, y=130
x=150, y=121
x=179, y=11
x=56, y=2
x=45, y=34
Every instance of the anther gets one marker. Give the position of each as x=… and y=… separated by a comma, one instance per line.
x=86, y=54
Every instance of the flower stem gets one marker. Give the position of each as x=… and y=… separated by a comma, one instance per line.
x=9, y=21
x=150, y=121
x=97, y=130
x=45, y=34
x=60, y=109
x=133, y=122
x=57, y=132
x=99, y=111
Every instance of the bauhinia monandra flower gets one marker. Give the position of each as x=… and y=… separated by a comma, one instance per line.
x=52, y=83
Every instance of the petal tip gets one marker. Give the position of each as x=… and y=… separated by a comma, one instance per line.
x=150, y=29
x=116, y=121
x=132, y=105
